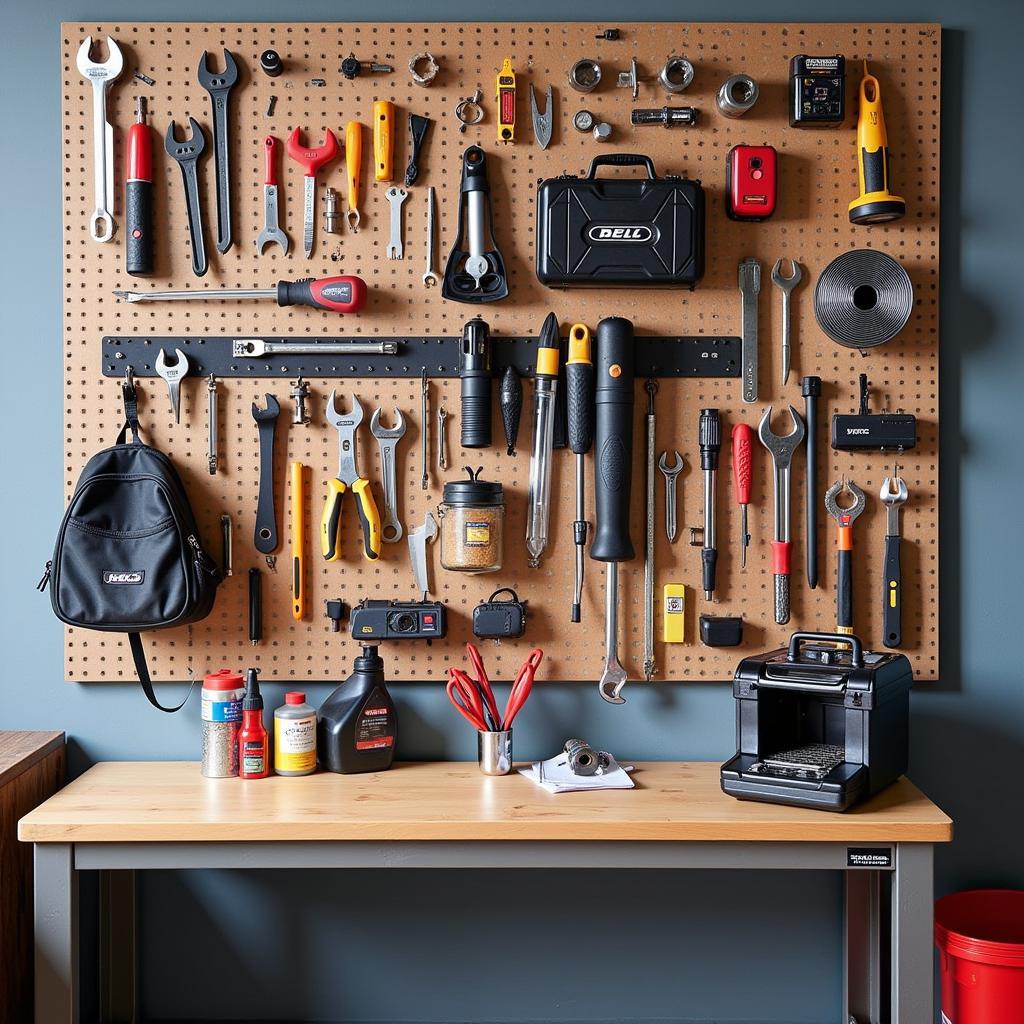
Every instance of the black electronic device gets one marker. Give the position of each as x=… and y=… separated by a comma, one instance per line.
x=398, y=620
x=821, y=723
x=864, y=430
x=500, y=620
x=817, y=91
x=721, y=630
x=628, y=232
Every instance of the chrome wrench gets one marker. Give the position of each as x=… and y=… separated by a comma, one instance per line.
x=387, y=440
x=750, y=286
x=173, y=373
x=670, y=473
x=786, y=285
x=396, y=247
x=101, y=223
x=613, y=678
x=430, y=277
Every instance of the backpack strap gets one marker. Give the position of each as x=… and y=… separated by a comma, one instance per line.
x=130, y=398
x=142, y=669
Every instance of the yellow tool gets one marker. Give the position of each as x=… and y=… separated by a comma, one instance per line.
x=348, y=479
x=505, y=96
x=354, y=167
x=875, y=204
x=673, y=623
x=298, y=541
x=383, y=140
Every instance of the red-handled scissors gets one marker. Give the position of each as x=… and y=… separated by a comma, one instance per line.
x=474, y=698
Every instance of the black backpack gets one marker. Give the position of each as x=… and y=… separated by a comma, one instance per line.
x=128, y=556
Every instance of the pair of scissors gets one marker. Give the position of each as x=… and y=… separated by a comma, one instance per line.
x=474, y=698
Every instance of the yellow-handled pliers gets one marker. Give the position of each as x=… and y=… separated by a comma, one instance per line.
x=348, y=479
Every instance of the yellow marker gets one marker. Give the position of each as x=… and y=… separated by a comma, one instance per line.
x=383, y=140
x=673, y=626
x=354, y=167
x=505, y=97
x=298, y=541
x=875, y=204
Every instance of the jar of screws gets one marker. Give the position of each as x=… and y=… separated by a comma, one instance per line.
x=472, y=515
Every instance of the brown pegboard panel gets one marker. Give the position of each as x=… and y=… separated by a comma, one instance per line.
x=818, y=178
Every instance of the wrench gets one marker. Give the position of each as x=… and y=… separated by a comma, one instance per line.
x=172, y=374
x=219, y=86
x=257, y=347
x=430, y=278
x=844, y=515
x=442, y=438
x=750, y=286
x=781, y=449
x=613, y=678
x=892, y=581
x=265, y=531
x=670, y=473
x=396, y=197
x=271, y=232
x=187, y=154
x=387, y=440
x=310, y=160
x=101, y=223
x=786, y=285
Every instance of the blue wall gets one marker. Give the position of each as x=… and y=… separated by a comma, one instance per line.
x=323, y=952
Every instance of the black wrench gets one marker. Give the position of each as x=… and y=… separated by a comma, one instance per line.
x=219, y=86
x=187, y=154
x=265, y=535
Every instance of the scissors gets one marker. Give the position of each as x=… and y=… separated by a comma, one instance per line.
x=474, y=698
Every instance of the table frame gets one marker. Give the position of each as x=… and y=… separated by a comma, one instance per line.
x=887, y=972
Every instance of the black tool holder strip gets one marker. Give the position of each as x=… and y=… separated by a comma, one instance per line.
x=682, y=356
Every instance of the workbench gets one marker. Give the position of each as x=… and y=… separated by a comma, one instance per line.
x=121, y=817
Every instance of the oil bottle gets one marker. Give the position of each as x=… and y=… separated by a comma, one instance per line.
x=356, y=724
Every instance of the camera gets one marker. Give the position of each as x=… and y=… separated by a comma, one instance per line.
x=398, y=620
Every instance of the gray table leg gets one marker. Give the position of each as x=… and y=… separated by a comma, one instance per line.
x=911, y=971
x=862, y=979
x=56, y=934
x=118, y=959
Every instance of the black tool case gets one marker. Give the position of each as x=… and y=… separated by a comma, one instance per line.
x=818, y=725
x=620, y=231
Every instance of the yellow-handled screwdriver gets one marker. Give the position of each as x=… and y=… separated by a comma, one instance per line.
x=579, y=396
x=298, y=497
x=354, y=168
x=383, y=140
x=875, y=204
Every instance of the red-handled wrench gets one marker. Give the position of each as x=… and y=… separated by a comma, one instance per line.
x=742, y=476
x=271, y=229
x=311, y=160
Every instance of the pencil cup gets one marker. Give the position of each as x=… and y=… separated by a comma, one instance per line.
x=495, y=752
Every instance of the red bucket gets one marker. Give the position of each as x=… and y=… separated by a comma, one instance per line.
x=980, y=935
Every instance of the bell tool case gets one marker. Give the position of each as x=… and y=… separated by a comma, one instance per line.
x=620, y=231
x=128, y=556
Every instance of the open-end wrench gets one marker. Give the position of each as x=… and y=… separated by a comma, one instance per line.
x=844, y=517
x=265, y=532
x=430, y=277
x=219, y=85
x=781, y=449
x=271, y=232
x=396, y=246
x=101, y=223
x=786, y=285
x=187, y=154
x=670, y=473
x=750, y=286
x=387, y=440
x=311, y=160
x=892, y=580
x=172, y=373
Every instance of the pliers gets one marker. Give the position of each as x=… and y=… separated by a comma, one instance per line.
x=348, y=479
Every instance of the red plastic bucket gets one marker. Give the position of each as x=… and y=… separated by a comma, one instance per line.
x=980, y=935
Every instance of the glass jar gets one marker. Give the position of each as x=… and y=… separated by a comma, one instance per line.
x=472, y=525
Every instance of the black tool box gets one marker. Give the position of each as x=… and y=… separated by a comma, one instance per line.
x=620, y=231
x=818, y=725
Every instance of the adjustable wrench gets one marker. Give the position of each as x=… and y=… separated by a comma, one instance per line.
x=670, y=473
x=219, y=86
x=187, y=154
x=311, y=160
x=101, y=223
x=786, y=285
x=396, y=247
x=387, y=440
x=750, y=286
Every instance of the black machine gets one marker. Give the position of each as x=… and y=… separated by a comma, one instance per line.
x=620, y=231
x=819, y=726
x=398, y=620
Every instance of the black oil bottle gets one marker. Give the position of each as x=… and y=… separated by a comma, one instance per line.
x=356, y=725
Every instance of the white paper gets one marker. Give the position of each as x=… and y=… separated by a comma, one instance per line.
x=556, y=776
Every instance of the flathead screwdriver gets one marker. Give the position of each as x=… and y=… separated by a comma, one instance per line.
x=710, y=442
x=742, y=476
x=579, y=393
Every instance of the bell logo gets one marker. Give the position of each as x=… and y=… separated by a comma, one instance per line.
x=635, y=234
x=122, y=579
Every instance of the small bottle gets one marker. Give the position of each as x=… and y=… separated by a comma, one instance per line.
x=253, y=744
x=357, y=726
x=295, y=736
x=221, y=717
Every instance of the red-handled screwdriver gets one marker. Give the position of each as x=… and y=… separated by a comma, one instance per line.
x=345, y=294
x=742, y=476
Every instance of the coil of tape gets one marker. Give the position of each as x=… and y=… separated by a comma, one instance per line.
x=863, y=298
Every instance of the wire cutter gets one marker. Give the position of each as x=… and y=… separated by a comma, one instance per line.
x=348, y=479
x=474, y=698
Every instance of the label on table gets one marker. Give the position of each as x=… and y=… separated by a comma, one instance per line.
x=872, y=857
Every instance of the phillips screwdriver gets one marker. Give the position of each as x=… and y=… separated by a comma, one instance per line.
x=742, y=475
x=344, y=294
x=579, y=393
x=545, y=386
x=138, y=196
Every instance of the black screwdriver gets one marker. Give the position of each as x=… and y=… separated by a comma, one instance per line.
x=709, y=431
x=475, y=377
x=579, y=389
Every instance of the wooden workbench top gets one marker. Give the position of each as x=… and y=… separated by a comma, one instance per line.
x=161, y=801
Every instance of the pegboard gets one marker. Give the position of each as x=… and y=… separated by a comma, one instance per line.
x=818, y=179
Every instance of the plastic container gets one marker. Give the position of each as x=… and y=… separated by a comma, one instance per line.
x=221, y=713
x=472, y=525
x=295, y=736
x=980, y=935
x=253, y=743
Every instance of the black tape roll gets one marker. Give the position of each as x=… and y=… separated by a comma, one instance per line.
x=863, y=298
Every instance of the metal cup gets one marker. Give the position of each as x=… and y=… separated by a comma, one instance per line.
x=494, y=750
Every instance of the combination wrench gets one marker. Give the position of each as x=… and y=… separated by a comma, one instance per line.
x=219, y=86
x=396, y=246
x=187, y=153
x=786, y=285
x=387, y=440
x=101, y=223
x=430, y=277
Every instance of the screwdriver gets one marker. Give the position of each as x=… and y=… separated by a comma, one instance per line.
x=709, y=432
x=579, y=394
x=138, y=195
x=344, y=294
x=545, y=386
x=742, y=474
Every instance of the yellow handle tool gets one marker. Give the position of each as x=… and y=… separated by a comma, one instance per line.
x=875, y=204
x=383, y=140
x=330, y=521
x=354, y=167
x=298, y=496
x=505, y=97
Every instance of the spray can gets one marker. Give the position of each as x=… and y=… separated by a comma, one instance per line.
x=295, y=736
x=221, y=713
x=253, y=744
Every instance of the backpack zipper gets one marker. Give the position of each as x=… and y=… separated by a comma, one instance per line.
x=41, y=585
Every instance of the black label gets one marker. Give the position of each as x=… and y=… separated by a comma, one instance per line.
x=869, y=857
